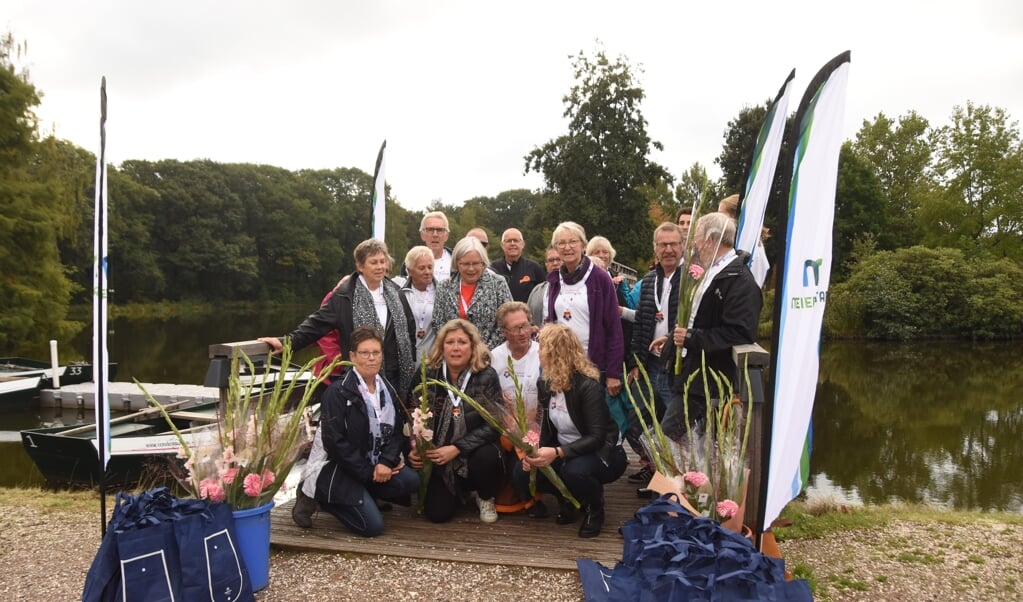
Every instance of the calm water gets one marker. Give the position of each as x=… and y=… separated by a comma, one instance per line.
x=936, y=422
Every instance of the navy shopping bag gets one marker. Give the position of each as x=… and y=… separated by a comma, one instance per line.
x=158, y=547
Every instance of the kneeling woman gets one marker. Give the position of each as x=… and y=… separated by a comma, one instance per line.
x=578, y=437
x=356, y=455
x=466, y=456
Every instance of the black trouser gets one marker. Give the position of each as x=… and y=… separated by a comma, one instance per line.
x=486, y=470
x=584, y=476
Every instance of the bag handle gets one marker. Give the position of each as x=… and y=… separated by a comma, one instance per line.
x=663, y=505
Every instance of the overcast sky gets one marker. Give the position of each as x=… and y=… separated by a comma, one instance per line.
x=462, y=90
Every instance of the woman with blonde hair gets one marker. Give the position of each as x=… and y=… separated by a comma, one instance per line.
x=466, y=456
x=578, y=437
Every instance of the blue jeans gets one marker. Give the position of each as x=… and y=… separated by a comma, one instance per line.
x=660, y=382
x=364, y=518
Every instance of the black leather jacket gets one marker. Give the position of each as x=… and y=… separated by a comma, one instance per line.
x=589, y=413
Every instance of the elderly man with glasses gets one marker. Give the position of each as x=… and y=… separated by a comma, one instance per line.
x=433, y=230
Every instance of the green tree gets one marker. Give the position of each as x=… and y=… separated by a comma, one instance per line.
x=34, y=290
x=696, y=188
x=593, y=174
x=979, y=163
x=860, y=209
x=900, y=156
x=737, y=152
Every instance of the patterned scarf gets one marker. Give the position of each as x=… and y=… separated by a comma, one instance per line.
x=365, y=314
x=450, y=428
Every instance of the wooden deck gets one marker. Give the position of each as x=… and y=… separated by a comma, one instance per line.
x=514, y=540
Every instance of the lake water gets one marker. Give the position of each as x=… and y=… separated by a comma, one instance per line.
x=937, y=422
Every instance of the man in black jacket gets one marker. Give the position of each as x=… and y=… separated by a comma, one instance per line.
x=521, y=272
x=726, y=310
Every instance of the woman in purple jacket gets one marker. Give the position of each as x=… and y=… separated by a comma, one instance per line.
x=583, y=297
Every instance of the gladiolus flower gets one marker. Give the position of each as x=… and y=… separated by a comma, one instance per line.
x=532, y=438
x=253, y=485
x=268, y=478
x=229, y=475
x=210, y=488
x=695, y=271
x=695, y=478
x=727, y=509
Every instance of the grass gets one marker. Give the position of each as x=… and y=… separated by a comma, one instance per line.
x=821, y=517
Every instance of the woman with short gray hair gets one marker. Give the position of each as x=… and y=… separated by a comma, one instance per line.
x=472, y=293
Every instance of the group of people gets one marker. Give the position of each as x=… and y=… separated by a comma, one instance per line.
x=570, y=334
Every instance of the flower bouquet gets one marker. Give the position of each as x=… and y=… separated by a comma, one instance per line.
x=524, y=440
x=242, y=460
x=708, y=469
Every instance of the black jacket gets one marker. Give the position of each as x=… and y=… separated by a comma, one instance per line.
x=485, y=388
x=344, y=425
x=728, y=315
x=589, y=413
x=522, y=277
x=336, y=312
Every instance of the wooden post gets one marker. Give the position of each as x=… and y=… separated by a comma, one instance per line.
x=756, y=358
x=221, y=354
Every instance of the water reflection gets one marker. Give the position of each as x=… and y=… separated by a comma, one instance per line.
x=937, y=423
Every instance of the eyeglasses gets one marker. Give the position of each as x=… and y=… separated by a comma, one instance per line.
x=564, y=244
x=485, y=244
x=435, y=230
x=668, y=245
x=520, y=329
x=553, y=260
x=469, y=265
x=369, y=354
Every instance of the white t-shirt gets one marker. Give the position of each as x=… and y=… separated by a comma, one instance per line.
x=572, y=308
x=661, y=326
x=527, y=370
x=442, y=267
x=560, y=418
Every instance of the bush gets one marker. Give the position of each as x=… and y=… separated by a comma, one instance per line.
x=920, y=292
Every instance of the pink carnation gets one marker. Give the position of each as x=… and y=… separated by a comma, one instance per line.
x=253, y=485
x=268, y=478
x=532, y=438
x=695, y=271
x=210, y=488
x=727, y=509
x=695, y=478
x=229, y=475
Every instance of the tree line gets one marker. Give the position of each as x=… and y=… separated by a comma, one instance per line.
x=213, y=232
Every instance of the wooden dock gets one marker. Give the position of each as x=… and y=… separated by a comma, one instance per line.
x=514, y=540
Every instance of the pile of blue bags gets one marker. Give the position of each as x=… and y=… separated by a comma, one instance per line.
x=671, y=556
x=159, y=547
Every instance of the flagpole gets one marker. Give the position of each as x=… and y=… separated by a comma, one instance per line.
x=379, y=200
x=99, y=328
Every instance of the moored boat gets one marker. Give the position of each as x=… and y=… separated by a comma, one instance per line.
x=68, y=455
x=22, y=378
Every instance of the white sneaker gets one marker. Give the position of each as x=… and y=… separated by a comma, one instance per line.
x=488, y=511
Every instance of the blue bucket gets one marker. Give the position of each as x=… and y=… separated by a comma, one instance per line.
x=252, y=528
